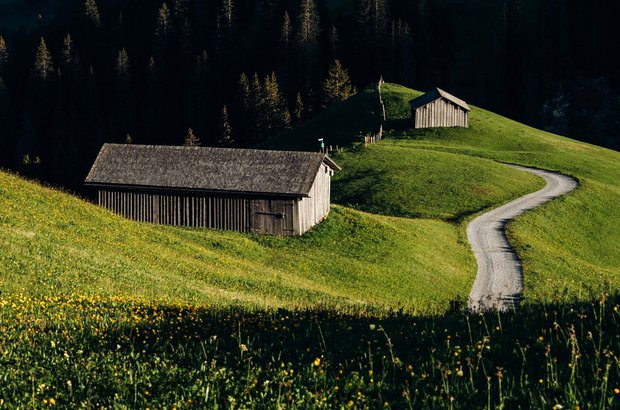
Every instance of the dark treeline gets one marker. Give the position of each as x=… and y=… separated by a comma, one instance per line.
x=231, y=72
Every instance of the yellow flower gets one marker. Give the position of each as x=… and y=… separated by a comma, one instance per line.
x=459, y=373
x=317, y=362
x=617, y=390
x=541, y=381
x=52, y=401
x=350, y=403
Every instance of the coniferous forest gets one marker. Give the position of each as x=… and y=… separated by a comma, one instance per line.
x=232, y=72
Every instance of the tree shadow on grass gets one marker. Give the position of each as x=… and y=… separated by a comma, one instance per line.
x=563, y=353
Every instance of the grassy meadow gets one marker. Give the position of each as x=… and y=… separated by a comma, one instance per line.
x=568, y=246
x=84, y=351
x=361, y=312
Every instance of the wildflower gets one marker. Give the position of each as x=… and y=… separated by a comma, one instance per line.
x=459, y=373
x=317, y=362
x=350, y=403
x=558, y=407
x=617, y=390
x=541, y=381
x=372, y=327
x=52, y=401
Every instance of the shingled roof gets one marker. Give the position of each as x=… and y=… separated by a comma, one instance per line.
x=208, y=169
x=436, y=94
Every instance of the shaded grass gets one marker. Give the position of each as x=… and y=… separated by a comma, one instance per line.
x=115, y=352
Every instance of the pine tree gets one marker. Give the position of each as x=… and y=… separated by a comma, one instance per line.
x=337, y=85
x=122, y=63
x=299, y=109
x=226, y=138
x=244, y=91
x=163, y=23
x=334, y=44
x=226, y=15
x=122, y=101
x=276, y=108
x=4, y=55
x=191, y=140
x=92, y=12
x=43, y=62
x=69, y=59
x=286, y=35
x=308, y=31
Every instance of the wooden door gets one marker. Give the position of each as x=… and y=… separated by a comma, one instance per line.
x=271, y=217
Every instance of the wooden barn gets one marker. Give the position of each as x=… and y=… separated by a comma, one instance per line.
x=438, y=108
x=244, y=190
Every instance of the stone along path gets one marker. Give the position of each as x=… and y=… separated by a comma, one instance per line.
x=499, y=283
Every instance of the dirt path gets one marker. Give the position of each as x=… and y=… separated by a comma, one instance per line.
x=499, y=283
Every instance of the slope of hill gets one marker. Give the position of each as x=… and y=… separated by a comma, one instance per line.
x=53, y=243
x=567, y=246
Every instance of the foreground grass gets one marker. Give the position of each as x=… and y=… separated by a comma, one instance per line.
x=114, y=352
x=52, y=243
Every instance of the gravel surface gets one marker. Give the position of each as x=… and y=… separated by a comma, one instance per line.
x=499, y=283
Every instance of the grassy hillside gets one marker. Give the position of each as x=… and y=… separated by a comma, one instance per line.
x=568, y=246
x=98, y=311
x=53, y=243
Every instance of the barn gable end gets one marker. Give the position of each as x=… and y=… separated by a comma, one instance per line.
x=438, y=108
x=243, y=190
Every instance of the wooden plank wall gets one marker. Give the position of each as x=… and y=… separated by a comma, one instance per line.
x=440, y=113
x=314, y=208
x=199, y=211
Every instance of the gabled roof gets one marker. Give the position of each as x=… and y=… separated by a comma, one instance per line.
x=208, y=169
x=435, y=94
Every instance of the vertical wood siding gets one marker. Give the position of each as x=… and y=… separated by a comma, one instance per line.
x=278, y=216
x=198, y=211
x=313, y=209
x=440, y=113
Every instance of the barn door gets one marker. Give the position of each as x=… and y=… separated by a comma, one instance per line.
x=271, y=217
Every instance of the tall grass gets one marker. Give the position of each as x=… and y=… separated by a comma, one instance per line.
x=92, y=351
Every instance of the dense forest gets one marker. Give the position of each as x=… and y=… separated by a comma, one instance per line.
x=232, y=73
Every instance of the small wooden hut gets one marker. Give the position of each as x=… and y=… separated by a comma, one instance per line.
x=244, y=190
x=438, y=108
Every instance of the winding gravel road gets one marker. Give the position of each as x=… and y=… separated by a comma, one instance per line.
x=499, y=283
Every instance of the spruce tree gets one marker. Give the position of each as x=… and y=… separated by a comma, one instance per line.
x=122, y=63
x=299, y=109
x=337, y=85
x=128, y=139
x=334, y=44
x=92, y=12
x=122, y=101
x=69, y=59
x=225, y=139
x=226, y=15
x=278, y=116
x=285, y=51
x=163, y=23
x=308, y=31
x=4, y=55
x=286, y=35
x=191, y=140
x=42, y=62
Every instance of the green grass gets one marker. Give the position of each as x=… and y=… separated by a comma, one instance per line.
x=53, y=243
x=108, y=352
x=99, y=311
x=568, y=246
